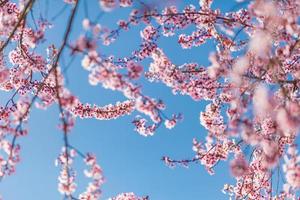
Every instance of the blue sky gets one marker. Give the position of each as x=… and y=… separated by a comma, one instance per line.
x=131, y=162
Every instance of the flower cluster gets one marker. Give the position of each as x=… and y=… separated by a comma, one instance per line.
x=292, y=170
x=66, y=185
x=128, y=196
x=103, y=113
x=251, y=86
x=196, y=84
x=108, y=5
x=95, y=173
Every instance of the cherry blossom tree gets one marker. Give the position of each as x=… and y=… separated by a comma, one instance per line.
x=251, y=87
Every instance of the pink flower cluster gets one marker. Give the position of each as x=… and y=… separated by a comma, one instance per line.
x=128, y=196
x=93, y=191
x=66, y=185
x=251, y=86
x=103, y=113
x=189, y=79
x=108, y=5
x=291, y=169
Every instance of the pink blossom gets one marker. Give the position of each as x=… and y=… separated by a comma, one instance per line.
x=238, y=166
x=261, y=101
x=134, y=70
x=4, y=75
x=107, y=5
x=126, y=3
x=149, y=33
x=127, y=196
